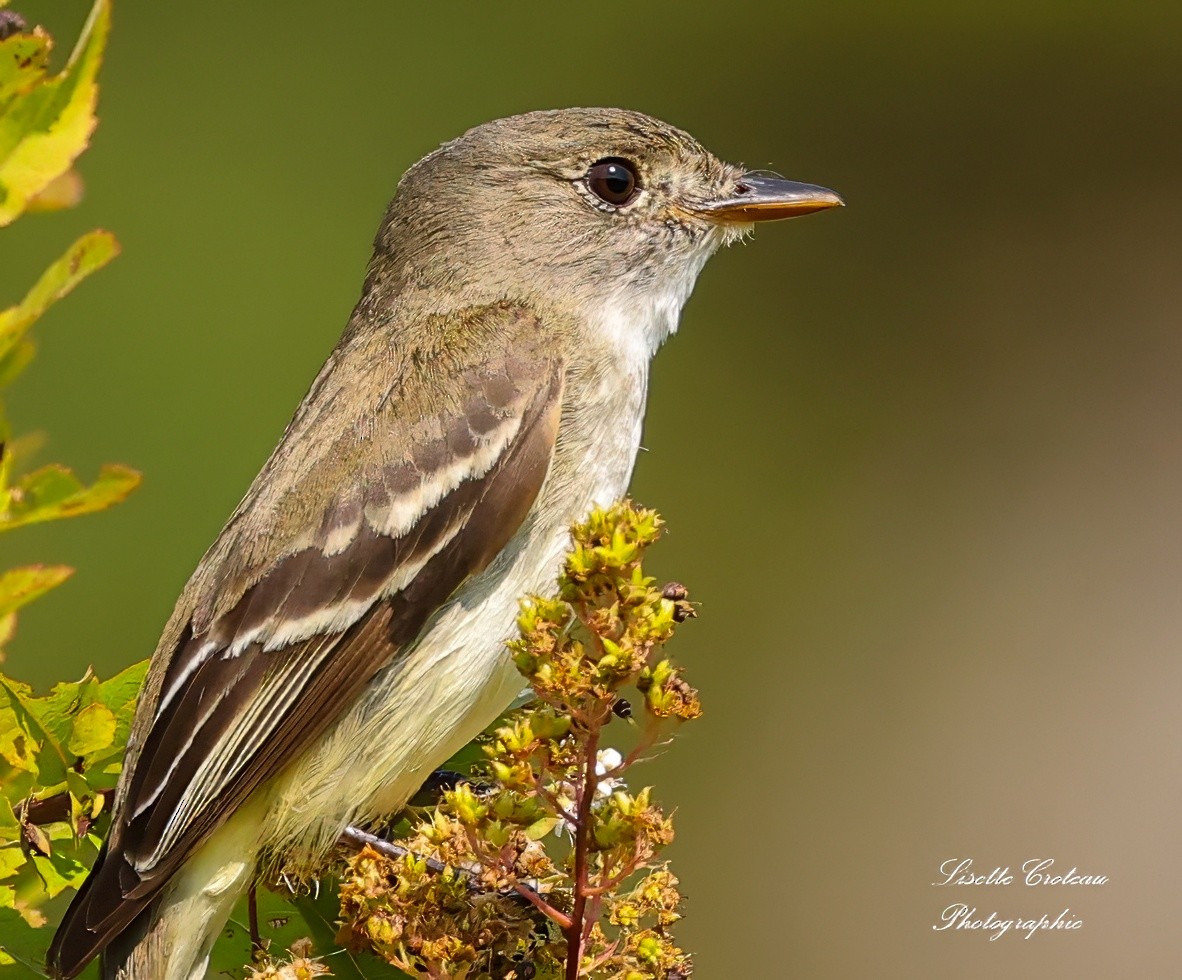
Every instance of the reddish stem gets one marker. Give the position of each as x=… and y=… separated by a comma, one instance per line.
x=586, y=793
x=548, y=910
x=594, y=904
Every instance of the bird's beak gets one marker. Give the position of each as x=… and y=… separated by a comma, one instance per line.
x=758, y=198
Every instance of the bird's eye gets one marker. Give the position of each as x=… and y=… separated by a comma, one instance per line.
x=613, y=182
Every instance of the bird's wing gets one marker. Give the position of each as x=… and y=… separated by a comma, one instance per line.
x=245, y=688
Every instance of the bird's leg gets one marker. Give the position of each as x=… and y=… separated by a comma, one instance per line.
x=356, y=838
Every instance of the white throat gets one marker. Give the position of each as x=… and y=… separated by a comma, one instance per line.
x=637, y=318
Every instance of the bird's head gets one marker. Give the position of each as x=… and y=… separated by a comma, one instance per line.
x=581, y=207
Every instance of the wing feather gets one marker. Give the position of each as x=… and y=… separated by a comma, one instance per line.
x=262, y=686
x=265, y=659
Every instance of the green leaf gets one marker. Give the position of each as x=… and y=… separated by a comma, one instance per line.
x=54, y=492
x=94, y=730
x=47, y=124
x=90, y=252
x=17, y=746
x=55, y=714
x=22, y=946
x=59, y=871
x=42, y=725
x=119, y=694
x=20, y=586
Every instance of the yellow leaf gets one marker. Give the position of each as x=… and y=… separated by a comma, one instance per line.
x=44, y=127
x=92, y=251
x=24, y=58
x=19, y=586
x=54, y=492
x=94, y=730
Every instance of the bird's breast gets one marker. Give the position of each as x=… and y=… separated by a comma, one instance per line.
x=458, y=677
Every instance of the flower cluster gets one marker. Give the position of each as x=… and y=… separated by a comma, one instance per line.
x=482, y=887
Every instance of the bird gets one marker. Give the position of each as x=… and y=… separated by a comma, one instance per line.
x=345, y=633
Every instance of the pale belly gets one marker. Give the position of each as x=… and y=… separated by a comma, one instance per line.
x=414, y=715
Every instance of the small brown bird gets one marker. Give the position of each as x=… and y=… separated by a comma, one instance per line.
x=345, y=633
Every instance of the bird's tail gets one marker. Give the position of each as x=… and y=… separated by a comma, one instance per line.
x=170, y=936
x=84, y=929
x=117, y=957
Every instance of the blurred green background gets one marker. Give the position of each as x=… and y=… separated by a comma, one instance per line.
x=920, y=458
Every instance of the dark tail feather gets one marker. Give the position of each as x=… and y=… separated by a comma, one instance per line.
x=119, y=950
x=98, y=916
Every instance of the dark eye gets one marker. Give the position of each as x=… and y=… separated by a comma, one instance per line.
x=612, y=181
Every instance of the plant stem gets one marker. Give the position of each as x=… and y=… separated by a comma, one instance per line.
x=577, y=931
